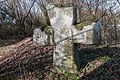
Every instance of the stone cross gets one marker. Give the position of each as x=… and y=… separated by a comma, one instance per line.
x=62, y=19
x=65, y=35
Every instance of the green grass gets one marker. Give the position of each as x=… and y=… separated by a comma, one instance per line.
x=104, y=58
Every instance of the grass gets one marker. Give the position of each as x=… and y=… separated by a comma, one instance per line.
x=97, y=63
x=102, y=63
x=105, y=66
x=104, y=58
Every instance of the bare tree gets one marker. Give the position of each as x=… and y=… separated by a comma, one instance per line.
x=29, y=13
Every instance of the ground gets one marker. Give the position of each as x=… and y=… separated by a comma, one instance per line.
x=95, y=63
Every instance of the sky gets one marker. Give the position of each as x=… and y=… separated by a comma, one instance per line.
x=112, y=3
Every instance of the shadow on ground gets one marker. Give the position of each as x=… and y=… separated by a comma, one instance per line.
x=26, y=62
x=108, y=59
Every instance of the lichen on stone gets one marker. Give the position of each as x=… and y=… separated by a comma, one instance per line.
x=87, y=20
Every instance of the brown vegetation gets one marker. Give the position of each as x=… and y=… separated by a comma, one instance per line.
x=24, y=58
x=27, y=61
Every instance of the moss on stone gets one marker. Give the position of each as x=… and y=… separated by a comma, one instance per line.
x=87, y=20
x=80, y=26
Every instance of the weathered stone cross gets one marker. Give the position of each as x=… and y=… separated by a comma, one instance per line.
x=65, y=35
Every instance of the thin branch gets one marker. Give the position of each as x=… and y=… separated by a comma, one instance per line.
x=3, y=1
x=29, y=10
x=118, y=2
